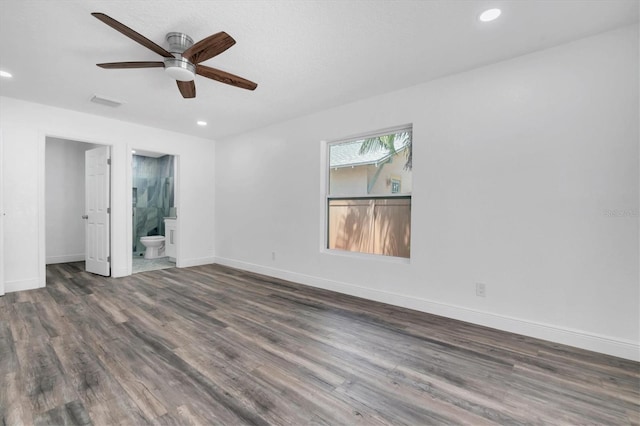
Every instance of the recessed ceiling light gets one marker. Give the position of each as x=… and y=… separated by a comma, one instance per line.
x=489, y=15
x=5, y=74
x=202, y=123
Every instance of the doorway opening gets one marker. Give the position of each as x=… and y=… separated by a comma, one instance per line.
x=154, y=208
x=77, y=205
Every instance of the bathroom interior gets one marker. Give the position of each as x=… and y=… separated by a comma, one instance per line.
x=154, y=211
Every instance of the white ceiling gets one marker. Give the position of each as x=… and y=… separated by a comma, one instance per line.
x=305, y=55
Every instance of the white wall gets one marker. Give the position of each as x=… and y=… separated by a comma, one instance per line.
x=515, y=167
x=64, y=200
x=25, y=126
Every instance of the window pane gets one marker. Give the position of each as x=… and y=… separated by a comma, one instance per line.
x=379, y=165
x=371, y=225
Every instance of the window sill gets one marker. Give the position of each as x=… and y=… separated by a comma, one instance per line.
x=365, y=256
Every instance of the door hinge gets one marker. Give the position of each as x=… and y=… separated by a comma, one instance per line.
x=108, y=210
x=109, y=259
x=109, y=161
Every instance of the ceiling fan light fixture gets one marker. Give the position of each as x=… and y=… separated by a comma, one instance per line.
x=180, y=69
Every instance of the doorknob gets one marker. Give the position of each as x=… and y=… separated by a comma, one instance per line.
x=85, y=216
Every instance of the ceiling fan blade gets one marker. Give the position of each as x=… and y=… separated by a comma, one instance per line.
x=122, y=65
x=209, y=47
x=225, y=77
x=187, y=88
x=132, y=34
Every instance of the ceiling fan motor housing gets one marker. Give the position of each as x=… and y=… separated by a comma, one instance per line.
x=178, y=42
x=178, y=67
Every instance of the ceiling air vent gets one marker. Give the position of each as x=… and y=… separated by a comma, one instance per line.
x=104, y=101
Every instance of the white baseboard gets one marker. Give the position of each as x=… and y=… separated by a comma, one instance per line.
x=65, y=259
x=22, y=285
x=577, y=338
x=185, y=263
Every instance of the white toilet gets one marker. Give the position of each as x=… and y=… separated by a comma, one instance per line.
x=154, y=245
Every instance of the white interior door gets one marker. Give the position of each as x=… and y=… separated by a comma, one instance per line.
x=97, y=211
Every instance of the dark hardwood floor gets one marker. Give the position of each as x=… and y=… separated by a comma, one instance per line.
x=214, y=345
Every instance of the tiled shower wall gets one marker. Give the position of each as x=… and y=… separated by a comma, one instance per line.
x=153, y=196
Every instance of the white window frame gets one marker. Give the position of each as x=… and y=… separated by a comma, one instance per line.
x=326, y=197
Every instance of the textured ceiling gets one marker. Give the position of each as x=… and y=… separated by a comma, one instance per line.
x=305, y=55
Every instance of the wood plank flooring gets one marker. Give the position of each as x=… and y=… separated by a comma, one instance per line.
x=214, y=345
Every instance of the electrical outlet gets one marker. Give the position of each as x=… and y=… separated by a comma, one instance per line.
x=273, y=255
x=481, y=290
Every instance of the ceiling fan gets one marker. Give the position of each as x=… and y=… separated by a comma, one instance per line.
x=182, y=61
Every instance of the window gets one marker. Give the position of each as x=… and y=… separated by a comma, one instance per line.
x=369, y=193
